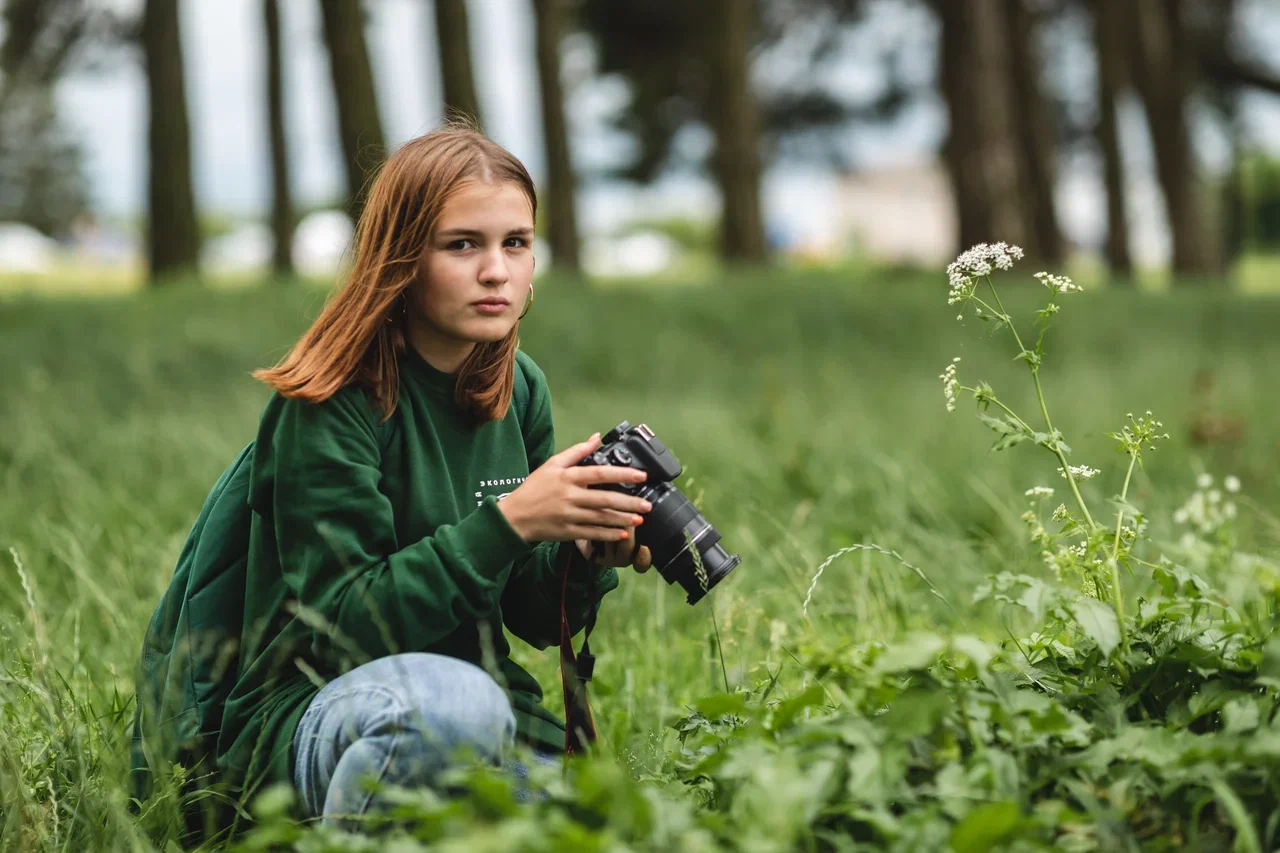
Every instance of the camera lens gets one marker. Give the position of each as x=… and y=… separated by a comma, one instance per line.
x=685, y=546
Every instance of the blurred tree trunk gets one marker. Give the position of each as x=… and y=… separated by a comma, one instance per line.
x=1224, y=95
x=984, y=152
x=1163, y=67
x=1037, y=136
x=359, y=123
x=735, y=119
x=173, y=237
x=1109, y=40
x=453, y=38
x=562, y=213
x=281, y=197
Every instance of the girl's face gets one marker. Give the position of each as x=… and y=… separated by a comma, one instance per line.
x=475, y=271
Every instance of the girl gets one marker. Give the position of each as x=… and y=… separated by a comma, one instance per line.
x=398, y=508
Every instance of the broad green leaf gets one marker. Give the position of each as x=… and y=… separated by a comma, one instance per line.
x=918, y=651
x=985, y=827
x=1240, y=715
x=1038, y=598
x=1098, y=621
x=978, y=651
x=917, y=712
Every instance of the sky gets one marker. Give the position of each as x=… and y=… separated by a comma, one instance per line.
x=224, y=55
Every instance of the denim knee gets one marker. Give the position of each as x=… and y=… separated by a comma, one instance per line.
x=449, y=703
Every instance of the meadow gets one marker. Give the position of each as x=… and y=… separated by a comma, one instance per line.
x=809, y=414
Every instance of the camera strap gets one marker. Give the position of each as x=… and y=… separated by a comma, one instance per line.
x=575, y=670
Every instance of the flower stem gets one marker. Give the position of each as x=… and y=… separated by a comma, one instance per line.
x=1008, y=411
x=1116, y=592
x=1044, y=410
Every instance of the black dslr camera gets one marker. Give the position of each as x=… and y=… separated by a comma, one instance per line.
x=674, y=527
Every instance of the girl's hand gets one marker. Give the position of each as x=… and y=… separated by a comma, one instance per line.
x=553, y=504
x=618, y=554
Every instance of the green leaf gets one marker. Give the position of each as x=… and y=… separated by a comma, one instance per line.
x=274, y=802
x=788, y=709
x=918, y=651
x=1005, y=442
x=721, y=704
x=1269, y=669
x=979, y=651
x=1000, y=426
x=1038, y=598
x=1128, y=508
x=1098, y=621
x=985, y=827
x=1246, y=835
x=1240, y=716
x=917, y=712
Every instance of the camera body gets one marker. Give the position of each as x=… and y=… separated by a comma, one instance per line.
x=685, y=547
x=628, y=446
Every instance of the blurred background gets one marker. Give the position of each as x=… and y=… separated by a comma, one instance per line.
x=1135, y=141
x=747, y=208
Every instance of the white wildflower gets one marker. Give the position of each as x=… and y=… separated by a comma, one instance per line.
x=1060, y=514
x=1058, y=283
x=950, y=384
x=1231, y=483
x=973, y=264
x=1080, y=472
x=1032, y=520
x=1207, y=510
x=1039, y=492
x=1053, y=562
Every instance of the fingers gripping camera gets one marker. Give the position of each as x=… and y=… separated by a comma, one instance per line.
x=685, y=546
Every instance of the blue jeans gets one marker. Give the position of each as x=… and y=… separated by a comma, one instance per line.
x=399, y=720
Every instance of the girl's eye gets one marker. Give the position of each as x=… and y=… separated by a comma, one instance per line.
x=461, y=244
x=517, y=242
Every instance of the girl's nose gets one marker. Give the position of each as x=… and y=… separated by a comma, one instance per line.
x=494, y=271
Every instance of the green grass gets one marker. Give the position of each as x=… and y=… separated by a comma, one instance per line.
x=806, y=409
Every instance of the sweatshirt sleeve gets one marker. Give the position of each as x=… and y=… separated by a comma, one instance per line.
x=531, y=602
x=315, y=481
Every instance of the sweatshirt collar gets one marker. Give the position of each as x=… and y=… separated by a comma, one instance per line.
x=423, y=373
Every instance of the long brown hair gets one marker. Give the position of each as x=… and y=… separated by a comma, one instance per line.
x=360, y=333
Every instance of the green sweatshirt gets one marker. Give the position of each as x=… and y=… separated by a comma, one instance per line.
x=388, y=537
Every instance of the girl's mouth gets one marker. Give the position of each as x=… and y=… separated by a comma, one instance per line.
x=491, y=306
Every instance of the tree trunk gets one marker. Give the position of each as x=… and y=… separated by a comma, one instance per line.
x=359, y=123
x=453, y=38
x=562, y=213
x=173, y=237
x=1163, y=67
x=735, y=119
x=281, y=198
x=983, y=152
x=1216, y=39
x=1036, y=135
x=1109, y=40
